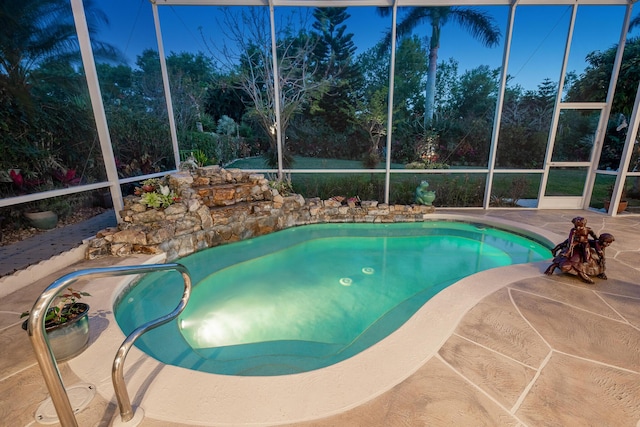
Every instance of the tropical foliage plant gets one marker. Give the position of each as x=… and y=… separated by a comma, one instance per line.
x=65, y=308
x=155, y=193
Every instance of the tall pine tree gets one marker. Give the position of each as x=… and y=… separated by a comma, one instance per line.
x=334, y=61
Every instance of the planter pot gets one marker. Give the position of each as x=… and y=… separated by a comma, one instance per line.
x=107, y=201
x=622, y=206
x=71, y=338
x=45, y=220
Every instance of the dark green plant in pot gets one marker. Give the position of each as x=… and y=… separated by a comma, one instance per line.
x=65, y=308
x=66, y=325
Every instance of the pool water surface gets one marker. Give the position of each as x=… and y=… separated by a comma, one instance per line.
x=309, y=297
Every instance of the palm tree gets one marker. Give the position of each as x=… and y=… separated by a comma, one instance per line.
x=44, y=115
x=35, y=32
x=480, y=24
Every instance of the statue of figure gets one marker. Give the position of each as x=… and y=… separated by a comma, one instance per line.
x=572, y=262
x=579, y=238
x=423, y=195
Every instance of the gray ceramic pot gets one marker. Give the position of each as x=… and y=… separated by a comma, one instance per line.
x=71, y=338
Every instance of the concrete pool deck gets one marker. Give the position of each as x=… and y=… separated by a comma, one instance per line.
x=504, y=347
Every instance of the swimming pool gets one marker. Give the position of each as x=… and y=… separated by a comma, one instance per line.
x=312, y=296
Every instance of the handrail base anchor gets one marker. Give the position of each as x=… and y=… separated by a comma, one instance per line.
x=80, y=395
x=138, y=416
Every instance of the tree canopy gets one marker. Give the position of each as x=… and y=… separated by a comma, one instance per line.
x=334, y=100
x=479, y=24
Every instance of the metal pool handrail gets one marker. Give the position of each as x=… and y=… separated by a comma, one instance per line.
x=44, y=354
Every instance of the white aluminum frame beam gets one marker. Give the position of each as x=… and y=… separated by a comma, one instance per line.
x=623, y=171
x=392, y=73
x=382, y=3
x=276, y=89
x=493, y=150
x=105, y=141
x=167, y=87
x=615, y=73
x=95, y=95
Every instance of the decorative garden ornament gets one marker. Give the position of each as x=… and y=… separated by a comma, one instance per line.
x=580, y=255
x=423, y=195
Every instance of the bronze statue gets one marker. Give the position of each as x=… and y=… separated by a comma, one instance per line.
x=579, y=238
x=589, y=260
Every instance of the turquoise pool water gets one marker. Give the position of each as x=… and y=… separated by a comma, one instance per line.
x=308, y=297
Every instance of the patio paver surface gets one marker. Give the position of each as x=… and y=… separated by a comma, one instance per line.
x=543, y=351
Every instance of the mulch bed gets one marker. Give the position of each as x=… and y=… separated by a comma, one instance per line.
x=10, y=234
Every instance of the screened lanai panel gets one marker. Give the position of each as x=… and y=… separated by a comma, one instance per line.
x=566, y=182
x=623, y=102
x=617, y=127
x=575, y=136
x=342, y=187
x=219, y=64
x=535, y=63
x=452, y=189
x=587, y=46
x=191, y=64
x=631, y=193
x=614, y=140
x=414, y=144
x=602, y=190
x=627, y=82
x=334, y=85
x=515, y=189
x=536, y=55
x=444, y=108
x=49, y=139
x=134, y=98
x=136, y=112
x=634, y=164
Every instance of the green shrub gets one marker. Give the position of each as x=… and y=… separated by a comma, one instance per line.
x=404, y=192
x=457, y=191
x=327, y=187
x=426, y=165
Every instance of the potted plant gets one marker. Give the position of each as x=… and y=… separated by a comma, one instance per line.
x=66, y=324
x=44, y=214
x=622, y=206
x=42, y=219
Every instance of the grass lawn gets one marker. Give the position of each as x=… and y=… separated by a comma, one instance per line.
x=306, y=163
x=567, y=182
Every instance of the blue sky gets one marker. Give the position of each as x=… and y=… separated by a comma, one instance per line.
x=537, y=47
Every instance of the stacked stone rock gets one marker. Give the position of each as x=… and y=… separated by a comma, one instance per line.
x=219, y=206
